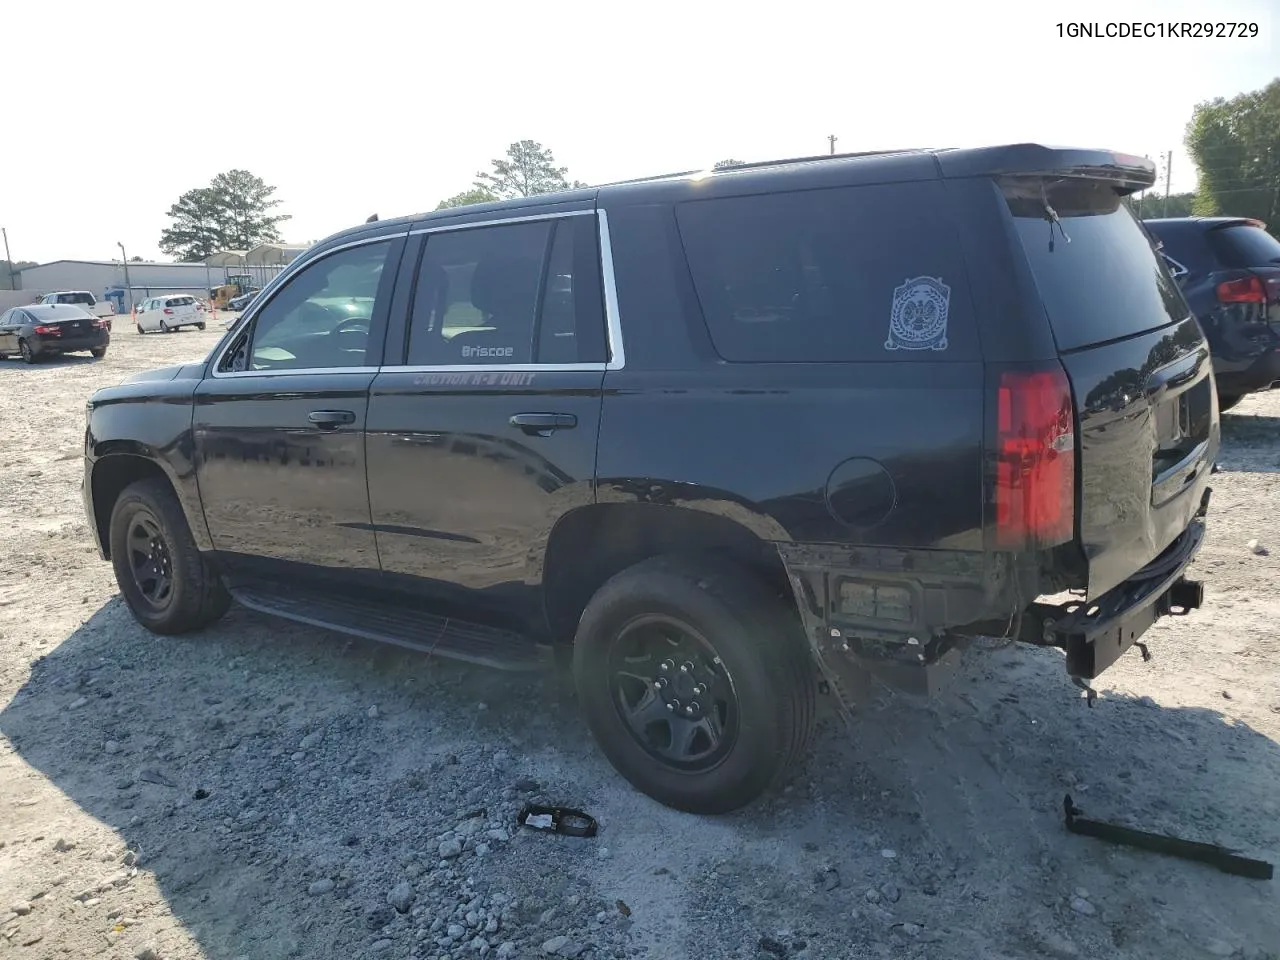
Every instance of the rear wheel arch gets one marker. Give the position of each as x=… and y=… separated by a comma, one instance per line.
x=592, y=544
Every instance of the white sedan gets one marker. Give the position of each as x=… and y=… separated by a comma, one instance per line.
x=168, y=313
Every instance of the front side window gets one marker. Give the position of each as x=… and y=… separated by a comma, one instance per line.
x=512, y=293
x=320, y=318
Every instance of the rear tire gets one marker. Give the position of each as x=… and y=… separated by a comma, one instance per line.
x=140, y=330
x=745, y=676
x=200, y=325
x=1226, y=402
x=98, y=352
x=28, y=355
x=162, y=575
x=164, y=327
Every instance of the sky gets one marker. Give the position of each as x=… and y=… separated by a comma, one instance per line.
x=388, y=106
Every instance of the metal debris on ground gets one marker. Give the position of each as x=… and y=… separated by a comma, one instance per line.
x=563, y=820
x=1228, y=861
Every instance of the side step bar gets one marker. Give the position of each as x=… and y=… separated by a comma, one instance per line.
x=403, y=626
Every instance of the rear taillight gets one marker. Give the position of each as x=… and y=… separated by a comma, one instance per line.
x=1036, y=463
x=1244, y=290
x=169, y=310
x=48, y=331
x=102, y=324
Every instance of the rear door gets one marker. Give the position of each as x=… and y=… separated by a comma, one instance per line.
x=483, y=421
x=1147, y=425
x=279, y=423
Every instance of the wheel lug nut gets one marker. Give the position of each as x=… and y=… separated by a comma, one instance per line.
x=684, y=668
x=671, y=706
x=689, y=711
x=699, y=688
x=666, y=665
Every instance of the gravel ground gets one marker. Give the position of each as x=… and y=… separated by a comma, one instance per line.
x=265, y=790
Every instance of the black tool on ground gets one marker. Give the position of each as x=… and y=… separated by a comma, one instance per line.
x=571, y=823
x=1225, y=860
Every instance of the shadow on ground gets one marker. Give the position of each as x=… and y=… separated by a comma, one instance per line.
x=269, y=725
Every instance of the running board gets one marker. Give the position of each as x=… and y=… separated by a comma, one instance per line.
x=402, y=626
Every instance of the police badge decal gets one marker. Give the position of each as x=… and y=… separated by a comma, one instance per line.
x=918, y=320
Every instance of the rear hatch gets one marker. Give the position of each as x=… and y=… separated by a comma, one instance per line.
x=1146, y=425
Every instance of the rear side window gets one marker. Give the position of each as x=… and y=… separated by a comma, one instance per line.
x=509, y=294
x=1096, y=271
x=1245, y=245
x=848, y=274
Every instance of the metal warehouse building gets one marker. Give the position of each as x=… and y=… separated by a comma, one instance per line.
x=105, y=279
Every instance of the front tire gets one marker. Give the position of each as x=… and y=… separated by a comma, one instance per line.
x=28, y=355
x=161, y=573
x=200, y=325
x=164, y=327
x=695, y=681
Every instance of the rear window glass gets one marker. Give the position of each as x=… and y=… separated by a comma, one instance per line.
x=1244, y=246
x=846, y=274
x=85, y=298
x=180, y=301
x=1095, y=268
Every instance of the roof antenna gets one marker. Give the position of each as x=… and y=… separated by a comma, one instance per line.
x=372, y=219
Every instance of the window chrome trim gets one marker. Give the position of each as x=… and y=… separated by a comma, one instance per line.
x=264, y=297
x=473, y=224
x=613, y=323
x=498, y=368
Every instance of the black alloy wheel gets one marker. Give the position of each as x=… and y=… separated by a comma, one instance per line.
x=150, y=561
x=673, y=692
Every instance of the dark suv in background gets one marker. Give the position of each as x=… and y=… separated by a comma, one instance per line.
x=1229, y=271
x=722, y=435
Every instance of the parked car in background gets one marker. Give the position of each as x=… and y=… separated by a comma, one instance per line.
x=455, y=432
x=165, y=314
x=48, y=329
x=1229, y=271
x=99, y=308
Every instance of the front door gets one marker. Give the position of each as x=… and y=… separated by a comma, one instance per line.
x=279, y=424
x=482, y=432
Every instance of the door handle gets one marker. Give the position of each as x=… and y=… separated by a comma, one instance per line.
x=544, y=424
x=328, y=419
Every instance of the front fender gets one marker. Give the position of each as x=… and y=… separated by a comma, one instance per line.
x=150, y=420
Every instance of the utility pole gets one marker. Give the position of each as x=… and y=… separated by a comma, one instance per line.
x=1168, y=179
x=831, y=138
x=128, y=288
x=13, y=277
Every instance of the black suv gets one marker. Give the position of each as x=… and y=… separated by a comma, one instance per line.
x=727, y=438
x=1229, y=271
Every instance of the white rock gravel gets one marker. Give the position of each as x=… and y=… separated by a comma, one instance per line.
x=247, y=773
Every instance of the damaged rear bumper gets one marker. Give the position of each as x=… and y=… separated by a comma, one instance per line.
x=1095, y=635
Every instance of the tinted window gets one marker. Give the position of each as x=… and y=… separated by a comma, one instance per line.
x=857, y=273
x=319, y=318
x=85, y=298
x=1245, y=246
x=180, y=301
x=1095, y=269
x=488, y=295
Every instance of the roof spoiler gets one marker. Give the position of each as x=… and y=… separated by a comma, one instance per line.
x=1126, y=172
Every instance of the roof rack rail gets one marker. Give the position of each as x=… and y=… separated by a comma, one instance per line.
x=758, y=164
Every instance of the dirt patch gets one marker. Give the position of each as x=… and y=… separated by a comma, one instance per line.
x=265, y=790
